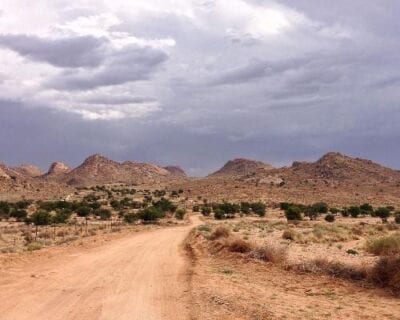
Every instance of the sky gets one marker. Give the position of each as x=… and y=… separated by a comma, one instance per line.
x=198, y=82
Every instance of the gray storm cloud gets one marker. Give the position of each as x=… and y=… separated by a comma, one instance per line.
x=197, y=83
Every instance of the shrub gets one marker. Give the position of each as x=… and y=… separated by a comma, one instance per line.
x=130, y=217
x=352, y=252
x=333, y=268
x=204, y=228
x=334, y=211
x=386, y=273
x=366, y=208
x=165, y=205
x=345, y=212
x=4, y=209
x=104, y=214
x=240, y=246
x=320, y=207
x=397, y=218
x=19, y=214
x=284, y=205
x=245, y=207
x=330, y=218
x=220, y=232
x=40, y=218
x=196, y=208
x=387, y=245
x=61, y=216
x=289, y=234
x=206, y=211
x=382, y=213
x=151, y=214
x=354, y=211
x=259, y=208
x=32, y=246
x=293, y=213
x=270, y=253
x=83, y=211
x=219, y=214
x=180, y=214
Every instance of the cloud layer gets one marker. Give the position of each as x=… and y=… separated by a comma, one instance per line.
x=197, y=82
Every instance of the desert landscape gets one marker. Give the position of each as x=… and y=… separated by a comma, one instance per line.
x=199, y=160
x=136, y=241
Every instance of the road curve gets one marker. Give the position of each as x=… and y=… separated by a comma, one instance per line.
x=138, y=277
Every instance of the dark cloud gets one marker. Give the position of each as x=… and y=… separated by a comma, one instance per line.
x=133, y=63
x=329, y=82
x=74, y=52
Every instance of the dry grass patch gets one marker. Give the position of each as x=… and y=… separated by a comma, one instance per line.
x=386, y=273
x=270, y=253
x=387, y=245
x=240, y=246
x=220, y=232
x=332, y=268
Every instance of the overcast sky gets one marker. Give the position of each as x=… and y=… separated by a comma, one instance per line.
x=198, y=82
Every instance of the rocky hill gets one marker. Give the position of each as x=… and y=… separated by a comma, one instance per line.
x=57, y=169
x=176, y=171
x=28, y=170
x=335, y=178
x=98, y=170
x=336, y=169
x=241, y=167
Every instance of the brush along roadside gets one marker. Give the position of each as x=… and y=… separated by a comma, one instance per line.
x=219, y=240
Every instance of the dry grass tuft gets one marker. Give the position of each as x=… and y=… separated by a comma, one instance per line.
x=386, y=273
x=387, y=245
x=270, y=253
x=240, y=246
x=332, y=268
x=220, y=232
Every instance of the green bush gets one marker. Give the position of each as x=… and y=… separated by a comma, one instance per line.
x=259, y=208
x=382, y=213
x=165, y=205
x=354, y=211
x=151, y=214
x=334, y=211
x=61, y=216
x=366, y=209
x=130, y=217
x=40, y=218
x=4, y=209
x=245, y=207
x=19, y=214
x=180, y=214
x=293, y=213
x=104, y=214
x=397, y=218
x=206, y=211
x=219, y=214
x=83, y=211
x=196, y=208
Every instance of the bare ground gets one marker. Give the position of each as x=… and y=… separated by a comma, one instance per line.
x=228, y=287
x=140, y=276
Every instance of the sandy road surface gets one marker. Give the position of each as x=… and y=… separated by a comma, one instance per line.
x=141, y=276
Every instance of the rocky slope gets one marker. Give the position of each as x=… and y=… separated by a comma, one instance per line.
x=240, y=167
x=28, y=170
x=176, y=171
x=57, y=169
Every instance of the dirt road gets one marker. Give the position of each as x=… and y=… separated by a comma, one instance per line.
x=141, y=276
